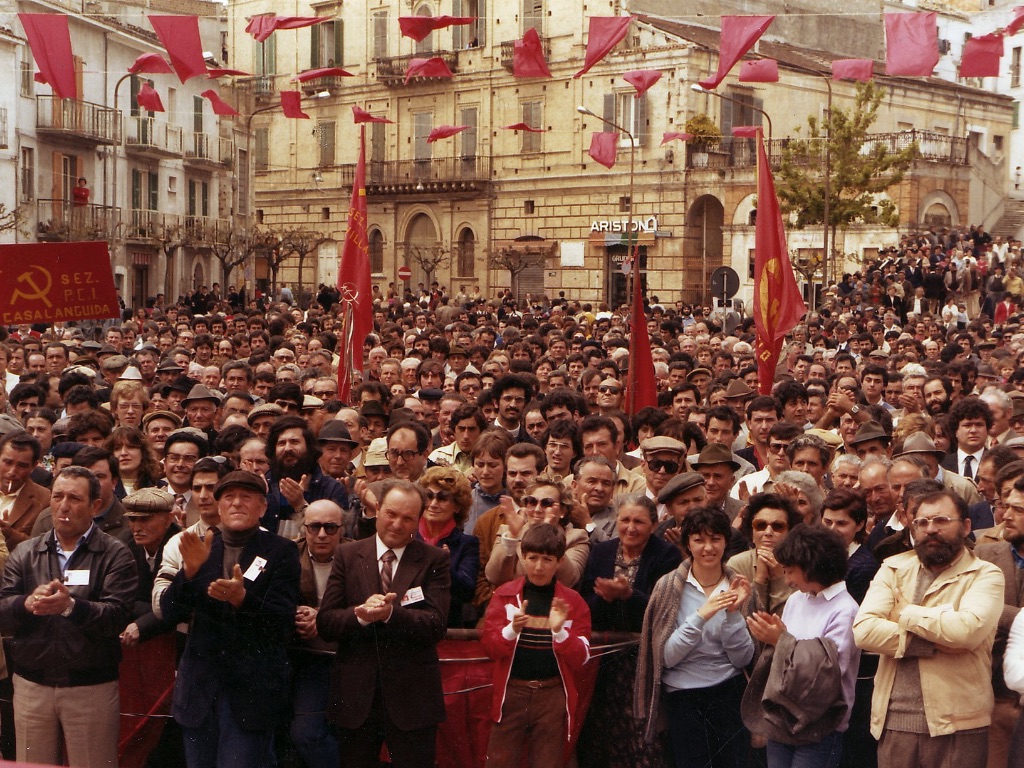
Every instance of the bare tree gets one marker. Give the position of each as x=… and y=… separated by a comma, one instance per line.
x=301, y=243
x=429, y=258
x=517, y=259
x=171, y=235
x=231, y=251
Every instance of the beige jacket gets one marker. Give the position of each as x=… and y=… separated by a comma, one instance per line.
x=959, y=614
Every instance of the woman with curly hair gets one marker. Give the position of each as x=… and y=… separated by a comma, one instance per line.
x=448, y=499
x=136, y=465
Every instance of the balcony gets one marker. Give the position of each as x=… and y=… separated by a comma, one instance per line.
x=149, y=137
x=79, y=122
x=391, y=70
x=446, y=175
x=204, y=151
x=152, y=227
x=333, y=85
x=508, y=50
x=206, y=230
x=59, y=221
x=735, y=152
x=262, y=87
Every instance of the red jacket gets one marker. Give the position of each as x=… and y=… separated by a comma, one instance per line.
x=571, y=654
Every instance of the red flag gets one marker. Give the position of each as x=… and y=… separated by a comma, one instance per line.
x=739, y=33
x=261, y=27
x=316, y=74
x=215, y=72
x=435, y=67
x=605, y=33
x=444, y=132
x=642, y=381
x=149, y=99
x=150, y=64
x=50, y=40
x=642, y=79
x=354, y=278
x=179, y=36
x=778, y=304
x=220, y=107
x=528, y=56
x=418, y=27
x=360, y=115
x=523, y=127
x=290, y=105
x=745, y=131
x=1017, y=22
x=911, y=44
x=759, y=71
x=981, y=56
x=675, y=136
x=853, y=69
x=603, y=147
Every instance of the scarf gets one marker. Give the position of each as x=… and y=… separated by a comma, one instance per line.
x=432, y=540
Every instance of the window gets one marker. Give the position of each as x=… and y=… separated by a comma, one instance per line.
x=1015, y=68
x=378, y=147
x=468, y=137
x=997, y=143
x=533, y=16
x=629, y=112
x=261, y=144
x=264, y=57
x=327, y=44
x=533, y=116
x=625, y=204
x=426, y=45
x=28, y=173
x=467, y=252
x=145, y=190
x=529, y=208
x=380, y=35
x=376, y=251
x=28, y=83
x=742, y=111
x=198, y=198
x=326, y=133
x=422, y=123
x=243, y=182
x=470, y=35
x=325, y=213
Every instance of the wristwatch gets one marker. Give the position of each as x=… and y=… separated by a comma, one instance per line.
x=67, y=611
x=855, y=410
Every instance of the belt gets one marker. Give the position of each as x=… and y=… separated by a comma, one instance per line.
x=550, y=682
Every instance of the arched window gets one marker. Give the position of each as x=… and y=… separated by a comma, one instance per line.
x=376, y=252
x=467, y=253
x=426, y=45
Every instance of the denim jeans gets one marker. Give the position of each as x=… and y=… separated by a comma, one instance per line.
x=310, y=731
x=220, y=743
x=823, y=754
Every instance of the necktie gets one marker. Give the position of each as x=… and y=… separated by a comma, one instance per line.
x=968, y=472
x=387, y=572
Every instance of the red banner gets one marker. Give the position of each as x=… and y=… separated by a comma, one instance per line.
x=50, y=282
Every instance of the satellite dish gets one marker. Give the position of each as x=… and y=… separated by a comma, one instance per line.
x=724, y=283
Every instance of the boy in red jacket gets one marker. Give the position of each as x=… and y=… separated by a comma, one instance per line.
x=538, y=633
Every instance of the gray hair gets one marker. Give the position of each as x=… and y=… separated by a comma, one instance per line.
x=635, y=500
x=601, y=460
x=995, y=396
x=804, y=483
x=846, y=458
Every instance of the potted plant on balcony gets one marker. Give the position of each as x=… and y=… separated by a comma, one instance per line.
x=705, y=135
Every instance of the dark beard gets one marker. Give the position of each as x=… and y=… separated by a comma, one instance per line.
x=304, y=466
x=937, y=409
x=937, y=556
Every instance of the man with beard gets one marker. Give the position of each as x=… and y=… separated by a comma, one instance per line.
x=1005, y=555
x=512, y=393
x=295, y=478
x=938, y=391
x=932, y=615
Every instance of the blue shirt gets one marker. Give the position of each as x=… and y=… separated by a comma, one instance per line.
x=65, y=557
x=699, y=653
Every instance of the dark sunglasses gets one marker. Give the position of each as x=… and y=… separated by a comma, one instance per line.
x=764, y=525
x=656, y=465
x=439, y=495
x=532, y=501
x=329, y=528
x=609, y=390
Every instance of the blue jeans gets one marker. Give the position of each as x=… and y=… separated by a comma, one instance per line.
x=310, y=731
x=824, y=754
x=220, y=743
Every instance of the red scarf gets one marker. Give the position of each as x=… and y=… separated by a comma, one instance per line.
x=432, y=540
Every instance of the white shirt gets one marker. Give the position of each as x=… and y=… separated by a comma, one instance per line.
x=381, y=549
x=961, y=455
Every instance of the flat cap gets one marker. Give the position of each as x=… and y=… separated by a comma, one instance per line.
x=172, y=417
x=169, y=366
x=661, y=443
x=698, y=372
x=309, y=402
x=267, y=409
x=66, y=450
x=115, y=363
x=681, y=482
x=240, y=478
x=146, y=501
x=430, y=394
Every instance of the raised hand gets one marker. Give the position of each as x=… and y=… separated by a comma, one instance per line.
x=740, y=588
x=520, y=619
x=765, y=627
x=231, y=591
x=194, y=551
x=558, y=614
x=293, y=491
x=715, y=603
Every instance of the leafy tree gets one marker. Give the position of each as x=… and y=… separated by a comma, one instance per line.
x=861, y=169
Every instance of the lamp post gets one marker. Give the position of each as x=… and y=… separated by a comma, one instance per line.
x=631, y=253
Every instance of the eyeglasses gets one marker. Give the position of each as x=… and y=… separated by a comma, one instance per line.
x=764, y=525
x=656, y=465
x=181, y=458
x=533, y=501
x=441, y=495
x=777, y=447
x=609, y=390
x=319, y=392
x=394, y=454
x=329, y=528
x=940, y=521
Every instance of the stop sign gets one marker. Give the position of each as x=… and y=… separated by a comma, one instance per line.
x=404, y=273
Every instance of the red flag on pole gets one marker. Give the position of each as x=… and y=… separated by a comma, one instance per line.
x=853, y=69
x=528, y=56
x=214, y=72
x=603, y=147
x=150, y=64
x=360, y=115
x=759, y=71
x=981, y=56
x=262, y=27
x=435, y=67
x=675, y=136
x=291, y=105
x=739, y=33
x=418, y=27
x=179, y=36
x=642, y=80
x=149, y=98
x=50, y=40
x=220, y=107
x=911, y=44
x=354, y=279
x=642, y=380
x=605, y=33
x=778, y=303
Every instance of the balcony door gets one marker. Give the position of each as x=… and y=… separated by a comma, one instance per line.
x=65, y=176
x=423, y=122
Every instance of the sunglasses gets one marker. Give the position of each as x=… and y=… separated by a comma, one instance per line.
x=656, y=465
x=533, y=501
x=439, y=495
x=329, y=528
x=778, y=447
x=764, y=525
x=609, y=390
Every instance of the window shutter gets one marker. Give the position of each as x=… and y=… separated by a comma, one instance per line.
x=314, y=46
x=756, y=118
x=380, y=35
x=271, y=55
x=136, y=189
x=727, y=118
x=339, y=42
x=640, y=131
x=609, y=111
x=459, y=32
x=469, y=136
x=154, y=191
x=377, y=146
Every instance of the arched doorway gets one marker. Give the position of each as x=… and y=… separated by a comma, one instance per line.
x=420, y=246
x=466, y=266
x=198, y=278
x=702, y=246
x=426, y=45
x=937, y=216
x=376, y=252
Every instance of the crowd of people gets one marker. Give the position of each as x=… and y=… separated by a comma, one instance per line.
x=830, y=574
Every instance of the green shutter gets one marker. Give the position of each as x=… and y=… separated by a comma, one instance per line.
x=640, y=132
x=339, y=42
x=314, y=46
x=154, y=190
x=609, y=112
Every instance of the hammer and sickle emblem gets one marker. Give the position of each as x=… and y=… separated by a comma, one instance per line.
x=349, y=293
x=38, y=292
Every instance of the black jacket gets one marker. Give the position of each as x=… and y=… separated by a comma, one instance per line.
x=142, y=609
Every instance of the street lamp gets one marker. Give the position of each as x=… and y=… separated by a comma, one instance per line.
x=631, y=253
x=767, y=117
